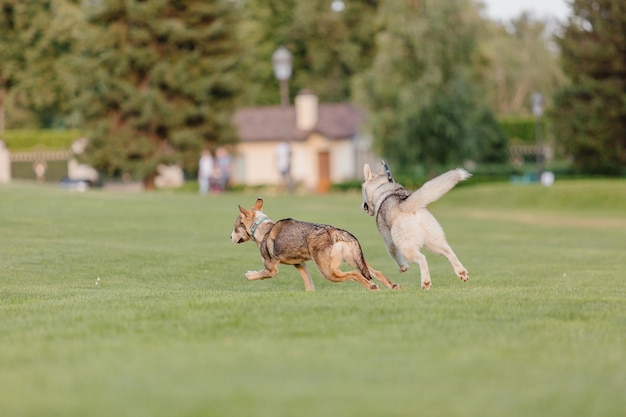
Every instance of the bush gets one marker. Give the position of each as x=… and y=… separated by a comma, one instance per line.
x=49, y=139
x=519, y=129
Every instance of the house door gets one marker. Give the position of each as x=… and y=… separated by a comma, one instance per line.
x=323, y=168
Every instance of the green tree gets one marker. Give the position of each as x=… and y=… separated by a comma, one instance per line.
x=328, y=47
x=420, y=89
x=36, y=35
x=520, y=62
x=13, y=20
x=45, y=84
x=159, y=82
x=590, y=112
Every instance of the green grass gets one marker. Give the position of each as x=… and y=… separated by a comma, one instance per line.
x=173, y=328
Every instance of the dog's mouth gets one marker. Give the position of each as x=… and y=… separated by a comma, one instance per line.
x=366, y=208
x=238, y=238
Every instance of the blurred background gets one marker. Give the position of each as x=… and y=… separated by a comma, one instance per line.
x=300, y=94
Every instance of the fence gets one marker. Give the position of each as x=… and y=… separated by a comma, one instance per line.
x=49, y=166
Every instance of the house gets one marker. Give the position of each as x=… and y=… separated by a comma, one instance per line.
x=327, y=144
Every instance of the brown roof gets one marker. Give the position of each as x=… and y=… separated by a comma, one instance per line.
x=334, y=121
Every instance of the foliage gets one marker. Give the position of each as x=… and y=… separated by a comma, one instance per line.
x=154, y=82
x=519, y=128
x=519, y=61
x=36, y=35
x=161, y=82
x=590, y=113
x=11, y=47
x=328, y=48
x=50, y=139
x=420, y=90
x=139, y=311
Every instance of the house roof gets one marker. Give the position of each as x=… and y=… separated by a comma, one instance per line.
x=334, y=121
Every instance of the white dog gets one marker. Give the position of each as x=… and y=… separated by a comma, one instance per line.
x=404, y=221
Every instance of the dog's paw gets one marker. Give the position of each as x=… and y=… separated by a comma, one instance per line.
x=403, y=268
x=426, y=285
x=374, y=287
x=464, y=275
x=253, y=275
x=396, y=287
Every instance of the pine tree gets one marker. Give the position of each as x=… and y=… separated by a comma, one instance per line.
x=160, y=82
x=36, y=35
x=13, y=19
x=590, y=113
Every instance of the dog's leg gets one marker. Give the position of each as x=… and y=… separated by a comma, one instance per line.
x=330, y=267
x=397, y=256
x=382, y=278
x=270, y=271
x=445, y=250
x=424, y=271
x=413, y=254
x=306, y=277
x=341, y=276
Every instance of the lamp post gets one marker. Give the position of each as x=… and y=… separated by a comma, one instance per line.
x=537, y=108
x=282, y=63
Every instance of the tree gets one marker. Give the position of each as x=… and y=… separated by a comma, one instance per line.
x=36, y=36
x=590, y=112
x=520, y=62
x=424, y=108
x=159, y=82
x=328, y=47
x=12, y=21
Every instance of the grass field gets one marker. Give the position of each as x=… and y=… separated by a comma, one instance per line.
x=116, y=304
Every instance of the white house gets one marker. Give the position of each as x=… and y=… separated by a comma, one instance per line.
x=327, y=145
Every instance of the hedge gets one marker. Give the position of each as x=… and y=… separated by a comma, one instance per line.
x=519, y=129
x=48, y=139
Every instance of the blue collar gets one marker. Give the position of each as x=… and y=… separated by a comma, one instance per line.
x=256, y=225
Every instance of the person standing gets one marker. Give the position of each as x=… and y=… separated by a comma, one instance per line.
x=223, y=160
x=283, y=163
x=205, y=170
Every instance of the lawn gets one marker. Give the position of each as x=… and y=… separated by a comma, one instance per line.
x=119, y=304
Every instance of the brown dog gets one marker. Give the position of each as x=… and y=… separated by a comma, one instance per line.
x=293, y=242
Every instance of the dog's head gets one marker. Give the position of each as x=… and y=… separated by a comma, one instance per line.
x=247, y=222
x=371, y=184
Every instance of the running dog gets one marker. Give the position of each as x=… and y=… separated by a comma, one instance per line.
x=405, y=223
x=293, y=242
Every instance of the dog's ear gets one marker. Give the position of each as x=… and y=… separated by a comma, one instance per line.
x=258, y=205
x=388, y=172
x=244, y=212
x=367, y=172
x=381, y=170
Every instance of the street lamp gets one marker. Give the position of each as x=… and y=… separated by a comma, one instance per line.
x=337, y=6
x=537, y=108
x=282, y=62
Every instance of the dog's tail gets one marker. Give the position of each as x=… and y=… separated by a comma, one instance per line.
x=434, y=189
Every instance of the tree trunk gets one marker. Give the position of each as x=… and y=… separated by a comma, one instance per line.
x=148, y=182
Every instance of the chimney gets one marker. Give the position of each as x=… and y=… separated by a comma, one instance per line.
x=306, y=110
